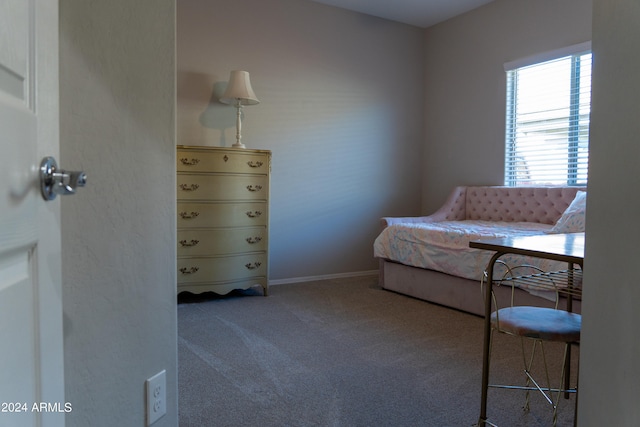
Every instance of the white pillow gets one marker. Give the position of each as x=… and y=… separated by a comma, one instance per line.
x=573, y=219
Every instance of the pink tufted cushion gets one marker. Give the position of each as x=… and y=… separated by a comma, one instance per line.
x=454, y=209
x=543, y=205
x=518, y=204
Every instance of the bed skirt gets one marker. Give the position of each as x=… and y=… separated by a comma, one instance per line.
x=451, y=291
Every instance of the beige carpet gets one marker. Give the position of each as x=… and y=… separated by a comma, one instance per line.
x=341, y=353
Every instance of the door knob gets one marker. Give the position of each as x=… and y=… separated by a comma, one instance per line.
x=54, y=181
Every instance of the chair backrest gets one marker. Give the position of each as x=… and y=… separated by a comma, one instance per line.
x=553, y=286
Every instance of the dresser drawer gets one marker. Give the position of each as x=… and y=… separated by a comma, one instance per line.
x=222, y=241
x=222, y=218
x=200, y=269
x=222, y=161
x=222, y=187
x=239, y=214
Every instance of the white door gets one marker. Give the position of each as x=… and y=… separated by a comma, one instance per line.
x=31, y=354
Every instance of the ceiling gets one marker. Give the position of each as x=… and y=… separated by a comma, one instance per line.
x=420, y=13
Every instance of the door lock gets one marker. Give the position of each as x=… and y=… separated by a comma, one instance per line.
x=54, y=181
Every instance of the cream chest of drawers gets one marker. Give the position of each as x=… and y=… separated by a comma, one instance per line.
x=223, y=218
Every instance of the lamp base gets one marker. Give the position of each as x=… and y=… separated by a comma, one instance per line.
x=238, y=144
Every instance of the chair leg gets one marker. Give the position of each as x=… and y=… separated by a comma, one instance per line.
x=528, y=364
x=564, y=385
x=527, y=369
x=548, y=392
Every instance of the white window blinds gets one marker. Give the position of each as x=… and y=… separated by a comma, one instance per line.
x=547, y=126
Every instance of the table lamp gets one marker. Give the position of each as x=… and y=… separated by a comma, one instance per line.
x=239, y=93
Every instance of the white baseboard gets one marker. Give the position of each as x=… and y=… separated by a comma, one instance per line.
x=323, y=277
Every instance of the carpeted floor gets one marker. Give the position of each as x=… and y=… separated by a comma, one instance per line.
x=341, y=353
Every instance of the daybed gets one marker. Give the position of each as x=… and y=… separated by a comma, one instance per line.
x=429, y=257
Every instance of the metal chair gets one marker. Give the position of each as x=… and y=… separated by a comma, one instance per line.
x=539, y=325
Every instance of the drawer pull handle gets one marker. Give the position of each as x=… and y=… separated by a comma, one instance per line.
x=187, y=187
x=185, y=243
x=187, y=215
x=253, y=164
x=188, y=162
x=252, y=240
x=254, y=188
x=185, y=270
x=253, y=266
x=254, y=214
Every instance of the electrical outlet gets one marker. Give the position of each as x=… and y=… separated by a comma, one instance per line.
x=156, y=397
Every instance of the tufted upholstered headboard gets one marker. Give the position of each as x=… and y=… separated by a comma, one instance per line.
x=513, y=204
x=543, y=205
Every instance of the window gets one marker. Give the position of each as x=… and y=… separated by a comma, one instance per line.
x=548, y=108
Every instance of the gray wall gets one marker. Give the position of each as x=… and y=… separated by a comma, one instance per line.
x=466, y=85
x=610, y=347
x=341, y=109
x=117, y=104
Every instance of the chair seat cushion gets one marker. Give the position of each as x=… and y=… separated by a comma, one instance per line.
x=537, y=322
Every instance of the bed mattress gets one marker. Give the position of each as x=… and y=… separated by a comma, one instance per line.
x=444, y=246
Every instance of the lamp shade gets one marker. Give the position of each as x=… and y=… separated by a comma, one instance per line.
x=239, y=91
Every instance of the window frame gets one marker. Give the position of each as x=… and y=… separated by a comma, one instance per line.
x=574, y=117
